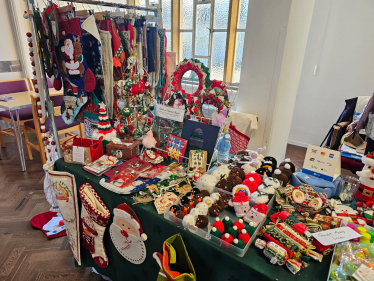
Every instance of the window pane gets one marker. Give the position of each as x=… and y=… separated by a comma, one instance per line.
x=142, y=3
x=243, y=13
x=238, y=56
x=187, y=14
x=168, y=38
x=218, y=55
x=204, y=61
x=186, y=44
x=202, y=30
x=153, y=2
x=166, y=13
x=221, y=13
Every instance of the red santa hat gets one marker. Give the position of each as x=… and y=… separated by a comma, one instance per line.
x=124, y=211
x=255, y=176
x=261, y=208
x=251, y=184
x=240, y=199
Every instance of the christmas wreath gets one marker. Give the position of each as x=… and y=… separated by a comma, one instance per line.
x=196, y=66
x=177, y=95
x=216, y=94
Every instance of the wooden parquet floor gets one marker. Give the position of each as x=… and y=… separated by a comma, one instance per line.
x=26, y=253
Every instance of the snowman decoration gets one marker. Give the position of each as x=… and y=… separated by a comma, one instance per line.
x=127, y=234
x=365, y=191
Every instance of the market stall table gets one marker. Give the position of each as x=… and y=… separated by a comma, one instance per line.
x=210, y=262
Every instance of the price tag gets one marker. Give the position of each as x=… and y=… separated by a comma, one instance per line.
x=336, y=235
x=78, y=154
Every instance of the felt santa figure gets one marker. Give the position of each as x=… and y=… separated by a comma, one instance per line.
x=365, y=191
x=241, y=204
x=255, y=216
x=127, y=234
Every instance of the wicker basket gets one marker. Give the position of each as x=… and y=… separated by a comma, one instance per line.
x=310, y=193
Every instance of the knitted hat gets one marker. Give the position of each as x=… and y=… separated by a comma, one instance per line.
x=244, y=236
x=241, y=188
x=227, y=238
x=288, y=161
x=215, y=232
x=280, y=176
x=124, y=211
x=227, y=222
x=255, y=176
x=286, y=169
x=261, y=208
x=250, y=229
x=239, y=224
x=233, y=231
x=240, y=198
x=239, y=243
x=251, y=184
x=219, y=225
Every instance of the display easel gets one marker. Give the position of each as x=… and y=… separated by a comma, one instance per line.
x=40, y=75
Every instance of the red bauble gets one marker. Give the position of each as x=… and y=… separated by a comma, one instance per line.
x=28, y=34
x=141, y=87
x=36, y=90
x=31, y=54
x=30, y=44
x=120, y=130
x=34, y=72
x=33, y=63
x=37, y=98
x=147, y=85
x=134, y=89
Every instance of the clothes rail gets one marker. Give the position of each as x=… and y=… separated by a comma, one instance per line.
x=111, y=4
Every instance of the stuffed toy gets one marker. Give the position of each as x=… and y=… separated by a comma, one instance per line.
x=239, y=224
x=239, y=172
x=286, y=169
x=223, y=147
x=280, y=176
x=249, y=167
x=259, y=197
x=224, y=200
x=203, y=207
x=202, y=221
x=288, y=161
x=188, y=220
x=149, y=141
x=219, y=225
x=214, y=210
x=256, y=214
x=215, y=196
x=234, y=179
x=223, y=169
x=365, y=191
x=273, y=182
x=255, y=176
x=207, y=182
x=241, y=204
x=251, y=184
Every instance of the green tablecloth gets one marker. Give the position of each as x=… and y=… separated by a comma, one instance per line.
x=210, y=261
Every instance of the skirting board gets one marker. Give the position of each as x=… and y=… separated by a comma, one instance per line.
x=297, y=143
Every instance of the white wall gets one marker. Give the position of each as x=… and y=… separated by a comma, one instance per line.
x=262, y=58
x=345, y=67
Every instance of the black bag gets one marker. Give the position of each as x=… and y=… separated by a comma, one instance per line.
x=337, y=131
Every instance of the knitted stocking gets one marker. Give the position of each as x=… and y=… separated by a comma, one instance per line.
x=94, y=219
x=78, y=78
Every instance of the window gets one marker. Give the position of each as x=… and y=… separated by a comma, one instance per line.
x=212, y=31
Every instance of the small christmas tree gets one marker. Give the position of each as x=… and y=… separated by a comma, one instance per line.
x=104, y=128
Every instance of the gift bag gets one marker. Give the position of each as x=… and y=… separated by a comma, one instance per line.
x=81, y=150
x=174, y=262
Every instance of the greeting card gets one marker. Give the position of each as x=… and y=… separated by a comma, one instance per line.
x=176, y=147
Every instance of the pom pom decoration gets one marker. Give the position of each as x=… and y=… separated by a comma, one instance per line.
x=239, y=243
x=149, y=141
x=257, y=198
x=251, y=184
x=215, y=232
x=219, y=225
x=288, y=161
x=227, y=222
x=233, y=231
x=239, y=224
x=244, y=236
x=188, y=220
x=215, y=196
x=203, y=207
x=219, y=120
x=227, y=238
x=255, y=176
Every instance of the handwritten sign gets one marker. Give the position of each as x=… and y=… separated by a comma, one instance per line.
x=176, y=114
x=336, y=235
x=78, y=154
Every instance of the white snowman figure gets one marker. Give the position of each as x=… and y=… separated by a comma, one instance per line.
x=365, y=191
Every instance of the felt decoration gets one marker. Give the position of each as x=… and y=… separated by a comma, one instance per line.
x=214, y=210
x=219, y=225
x=66, y=194
x=210, y=134
x=241, y=204
x=94, y=219
x=244, y=236
x=256, y=214
x=203, y=207
x=280, y=176
x=233, y=231
x=215, y=232
x=104, y=129
x=223, y=147
x=165, y=201
x=202, y=221
x=255, y=176
x=127, y=234
x=149, y=141
x=227, y=222
x=78, y=78
x=288, y=161
x=188, y=220
x=251, y=184
x=176, y=147
x=250, y=229
x=239, y=225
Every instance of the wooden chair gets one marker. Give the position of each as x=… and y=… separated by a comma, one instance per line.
x=25, y=114
x=62, y=128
